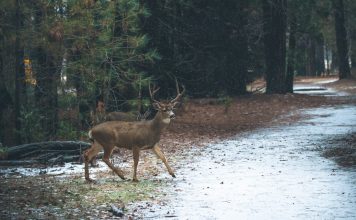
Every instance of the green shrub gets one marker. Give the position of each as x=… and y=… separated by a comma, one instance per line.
x=67, y=131
x=3, y=152
x=31, y=127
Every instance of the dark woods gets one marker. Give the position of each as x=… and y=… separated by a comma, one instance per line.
x=59, y=58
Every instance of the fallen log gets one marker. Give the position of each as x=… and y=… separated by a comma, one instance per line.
x=17, y=162
x=56, y=160
x=46, y=157
x=25, y=150
x=30, y=154
x=43, y=160
x=61, y=151
x=72, y=158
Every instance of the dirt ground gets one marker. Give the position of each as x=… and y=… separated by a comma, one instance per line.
x=198, y=122
x=205, y=120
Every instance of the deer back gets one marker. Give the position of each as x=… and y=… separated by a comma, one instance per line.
x=142, y=134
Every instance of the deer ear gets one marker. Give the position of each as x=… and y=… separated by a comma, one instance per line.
x=156, y=105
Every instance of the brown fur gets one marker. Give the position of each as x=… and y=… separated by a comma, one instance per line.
x=135, y=136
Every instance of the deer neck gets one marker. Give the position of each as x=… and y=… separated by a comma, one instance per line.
x=159, y=122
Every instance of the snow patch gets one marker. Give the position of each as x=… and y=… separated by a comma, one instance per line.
x=65, y=170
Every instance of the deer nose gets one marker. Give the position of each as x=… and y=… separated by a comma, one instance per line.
x=172, y=115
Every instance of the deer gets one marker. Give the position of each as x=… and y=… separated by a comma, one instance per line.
x=100, y=116
x=120, y=116
x=135, y=136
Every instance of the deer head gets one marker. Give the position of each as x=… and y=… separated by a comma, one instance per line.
x=165, y=108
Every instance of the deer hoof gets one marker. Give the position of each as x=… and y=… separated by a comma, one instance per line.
x=135, y=180
x=173, y=175
x=94, y=164
x=121, y=176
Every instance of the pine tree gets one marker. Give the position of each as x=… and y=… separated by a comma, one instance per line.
x=275, y=16
x=20, y=88
x=46, y=56
x=341, y=39
x=107, y=53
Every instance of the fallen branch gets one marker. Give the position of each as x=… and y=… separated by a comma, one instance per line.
x=17, y=162
x=26, y=150
x=55, y=160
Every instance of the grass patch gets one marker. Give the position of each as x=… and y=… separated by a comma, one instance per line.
x=73, y=198
x=111, y=191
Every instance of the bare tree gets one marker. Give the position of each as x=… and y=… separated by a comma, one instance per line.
x=341, y=39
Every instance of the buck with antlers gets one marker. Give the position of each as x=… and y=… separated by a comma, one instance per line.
x=135, y=136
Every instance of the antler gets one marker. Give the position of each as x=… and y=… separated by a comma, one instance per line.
x=143, y=116
x=179, y=94
x=152, y=93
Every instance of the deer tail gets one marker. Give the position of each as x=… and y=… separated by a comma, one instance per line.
x=90, y=136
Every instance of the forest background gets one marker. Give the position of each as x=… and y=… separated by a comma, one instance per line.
x=58, y=58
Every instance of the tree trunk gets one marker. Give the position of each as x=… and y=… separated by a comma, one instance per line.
x=47, y=78
x=5, y=97
x=291, y=52
x=353, y=55
x=275, y=24
x=319, y=56
x=237, y=59
x=311, y=64
x=83, y=105
x=341, y=39
x=20, y=73
x=328, y=55
x=116, y=95
x=6, y=111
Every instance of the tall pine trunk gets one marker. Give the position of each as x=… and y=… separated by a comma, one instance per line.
x=20, y=72
x=5, y=99
x=275, y=25
x=319, y=56
x=341, y=39
x=311, y=61
x=237, y=58
x=291, y=52
x=47, y=77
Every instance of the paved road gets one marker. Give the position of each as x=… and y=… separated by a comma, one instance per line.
x=272, y=173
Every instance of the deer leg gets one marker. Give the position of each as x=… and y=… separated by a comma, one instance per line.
x=106, y=159
x=93, y=162
x=136, y=157
x=88, y=156
x=160, y=154
x=86, y=168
